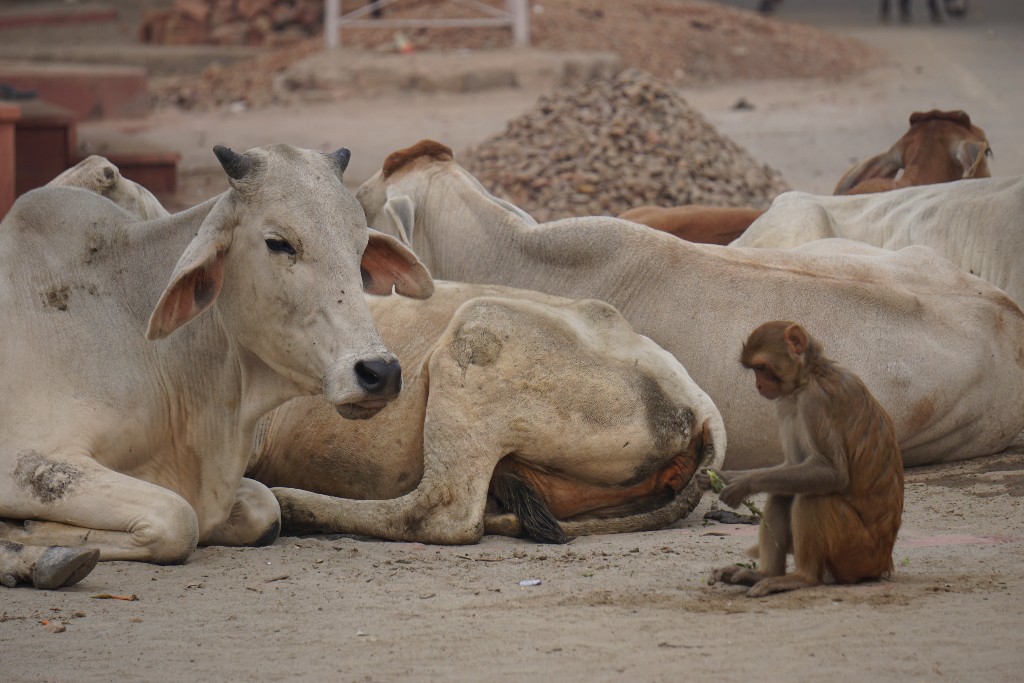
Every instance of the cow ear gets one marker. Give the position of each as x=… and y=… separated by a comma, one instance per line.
x=197, y=279
x=884, y=165
x=387, y=263
x=970, y=154
x=402, y=213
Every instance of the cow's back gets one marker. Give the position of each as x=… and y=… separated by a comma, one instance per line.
x=973, y=223
x=934, y=344
x=74, y=306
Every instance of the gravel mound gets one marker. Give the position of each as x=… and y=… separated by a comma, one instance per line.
x=615, y=144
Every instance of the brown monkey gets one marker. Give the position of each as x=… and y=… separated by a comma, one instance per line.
x=837, y=499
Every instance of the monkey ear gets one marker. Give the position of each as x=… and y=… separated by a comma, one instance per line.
x=796, y=339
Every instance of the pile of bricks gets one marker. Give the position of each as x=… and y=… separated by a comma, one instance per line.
x=232, y=22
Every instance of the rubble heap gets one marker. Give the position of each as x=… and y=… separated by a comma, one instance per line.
x=613, y=145
x=684, y=42
x=233, y=22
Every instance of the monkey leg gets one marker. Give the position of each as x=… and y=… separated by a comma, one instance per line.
x=854, y=551
x=774, y=541
x=828, y=534
x=774, y=535
x=810, y=534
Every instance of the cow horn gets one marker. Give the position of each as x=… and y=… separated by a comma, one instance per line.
x=235, y=165
x=341, y=157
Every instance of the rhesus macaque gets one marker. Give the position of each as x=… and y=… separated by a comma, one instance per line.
x=837, y=499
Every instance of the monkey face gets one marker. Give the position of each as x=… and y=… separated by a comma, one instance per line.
x=768, y=384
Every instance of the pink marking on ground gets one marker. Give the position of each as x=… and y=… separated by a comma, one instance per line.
x=953, y=539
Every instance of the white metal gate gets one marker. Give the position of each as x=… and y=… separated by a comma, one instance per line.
x=515, y=15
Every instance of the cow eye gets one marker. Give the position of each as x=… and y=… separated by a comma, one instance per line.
x=280, y=246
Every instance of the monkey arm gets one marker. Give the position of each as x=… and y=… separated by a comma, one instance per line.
x=815, y=475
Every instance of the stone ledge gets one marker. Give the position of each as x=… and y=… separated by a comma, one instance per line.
x=460, y=71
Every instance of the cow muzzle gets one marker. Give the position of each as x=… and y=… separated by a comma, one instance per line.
x=379, y=381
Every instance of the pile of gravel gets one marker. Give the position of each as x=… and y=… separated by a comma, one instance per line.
x=615, y=144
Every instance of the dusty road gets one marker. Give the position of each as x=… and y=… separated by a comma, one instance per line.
x=631, y=607
x=813, y=131
x=810, y=130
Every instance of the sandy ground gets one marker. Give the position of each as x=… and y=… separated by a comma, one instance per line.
x=631, y=607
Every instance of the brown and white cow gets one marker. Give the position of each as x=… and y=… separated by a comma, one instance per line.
x=138, y=356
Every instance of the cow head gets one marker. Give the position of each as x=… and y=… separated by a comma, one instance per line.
x=941, y=146
x=396, y=198
x=286, y=255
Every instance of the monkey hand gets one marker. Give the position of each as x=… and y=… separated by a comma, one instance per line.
x=703, y=480
x=735, y=492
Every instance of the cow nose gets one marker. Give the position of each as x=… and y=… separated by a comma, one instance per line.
x=380, y=377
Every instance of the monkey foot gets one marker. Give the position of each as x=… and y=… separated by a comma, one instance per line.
x=735, y=575
x=781, y=584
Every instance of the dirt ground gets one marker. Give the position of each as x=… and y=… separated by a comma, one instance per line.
x=630, y=607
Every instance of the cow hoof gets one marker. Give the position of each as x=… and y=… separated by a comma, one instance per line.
x=9, y=580
x=59, y=567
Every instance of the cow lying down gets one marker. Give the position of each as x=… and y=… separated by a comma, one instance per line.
x=562, y=475
x=138, y=356
x=939, y=348
x=97, y=174
x=557, y=407
x=976, y=224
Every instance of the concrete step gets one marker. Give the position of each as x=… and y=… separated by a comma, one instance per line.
x=88, y=91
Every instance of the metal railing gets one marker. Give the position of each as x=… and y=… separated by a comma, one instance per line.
x=515, y=15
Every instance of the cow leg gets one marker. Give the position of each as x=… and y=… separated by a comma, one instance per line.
x=446, y=508
x=71, y=500
x=48, y=568
x=255, y=518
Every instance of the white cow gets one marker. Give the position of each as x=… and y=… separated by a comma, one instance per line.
x=940, y=349
x=99, y=175
x=127, y=430
x=645, y=425
x=557, y=407
x=976, y=224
